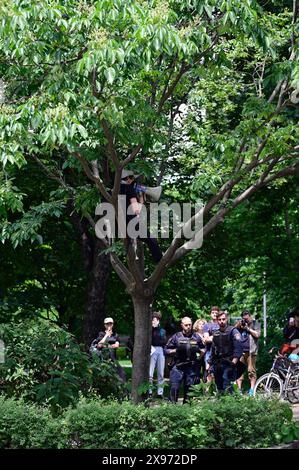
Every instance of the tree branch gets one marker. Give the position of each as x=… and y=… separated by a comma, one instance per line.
x=131, y=156
x=121, y=270
x=92, y=177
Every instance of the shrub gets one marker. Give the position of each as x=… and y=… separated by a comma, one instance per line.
x=229, y=422
x=247, y=422
x=24, y=425
x=44, y=363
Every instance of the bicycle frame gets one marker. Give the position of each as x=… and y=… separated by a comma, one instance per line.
x=287, y=372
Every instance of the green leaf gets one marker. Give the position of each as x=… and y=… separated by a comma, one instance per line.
x=110, y=75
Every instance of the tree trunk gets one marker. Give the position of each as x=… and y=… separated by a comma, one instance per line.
x=96, y=294
x=98, y=268
x=142, y=345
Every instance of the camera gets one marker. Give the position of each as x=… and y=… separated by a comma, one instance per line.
x=243, y=323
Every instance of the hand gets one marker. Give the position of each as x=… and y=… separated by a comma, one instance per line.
x=235, y=360
x=208, y=366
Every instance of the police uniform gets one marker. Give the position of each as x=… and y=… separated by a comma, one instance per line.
x=226, y=345
x=185, y=362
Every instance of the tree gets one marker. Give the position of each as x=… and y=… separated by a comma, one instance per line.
x=103, y=81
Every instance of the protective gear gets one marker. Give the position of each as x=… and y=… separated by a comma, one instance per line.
x=226, y=345
x=186, y=349
x=223, y=344
x=185, y=367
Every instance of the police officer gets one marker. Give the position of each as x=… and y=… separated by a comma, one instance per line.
x=183, y=346
x=225, y=354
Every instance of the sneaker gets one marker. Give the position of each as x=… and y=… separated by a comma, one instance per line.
x=250, y=392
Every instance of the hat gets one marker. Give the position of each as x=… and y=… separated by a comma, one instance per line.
x=108, y=320
x=126, y=173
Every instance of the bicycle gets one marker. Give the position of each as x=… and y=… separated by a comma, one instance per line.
x=281, y=382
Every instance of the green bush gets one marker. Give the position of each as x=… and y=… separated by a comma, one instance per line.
x=243, y=422
x=229, y=422
x=24, y=425
x=44, y=363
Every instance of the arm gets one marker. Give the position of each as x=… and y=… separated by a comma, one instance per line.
x=255, y=333
x=207, y=337
x=135, y=206
x=163, y=337
x=212, y=357
x=238, y=349
x=170, y=348
x=206, y=334
x=104, y=337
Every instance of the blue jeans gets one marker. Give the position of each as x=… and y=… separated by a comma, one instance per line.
x=157, y=361
x=185, y=374
x=225, y=374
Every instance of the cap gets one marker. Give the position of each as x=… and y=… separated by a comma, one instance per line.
x=126, y=173
x=108, y=320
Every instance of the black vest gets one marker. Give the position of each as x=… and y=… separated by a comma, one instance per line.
x=187, y=347
x=223, y=343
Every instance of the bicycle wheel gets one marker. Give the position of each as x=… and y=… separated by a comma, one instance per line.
x=292, y=391
x=268, y=385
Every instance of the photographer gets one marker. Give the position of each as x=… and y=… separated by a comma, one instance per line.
x=107, y=342
x=250, y=331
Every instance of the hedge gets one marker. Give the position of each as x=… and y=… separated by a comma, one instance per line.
x=229, y=422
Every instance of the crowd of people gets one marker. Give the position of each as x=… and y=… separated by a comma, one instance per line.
x=206, y=350
x=213, y=350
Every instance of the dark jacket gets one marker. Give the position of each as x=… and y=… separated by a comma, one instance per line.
x=158, y=336
x=186, y=346
x=226, y=344
x=112, y=340
x=291, y=332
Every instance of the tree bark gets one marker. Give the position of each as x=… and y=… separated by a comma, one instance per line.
x=142, y=344
x=98, y=268
x=96, y=294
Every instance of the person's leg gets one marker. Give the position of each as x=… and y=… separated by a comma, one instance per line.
x=243, y=359
x=189, y=379
x=252, y=372
x=229, y=376
x=153, y=362
x=153, y=247
x=121, y=372
x=209, y=377
x=218, y=374
x=175, y=379
x=160, y=370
